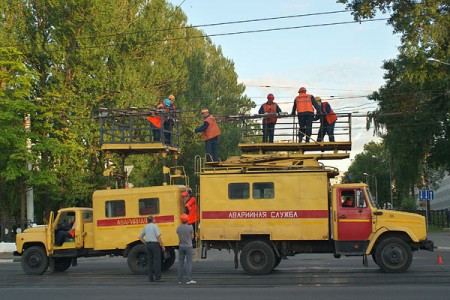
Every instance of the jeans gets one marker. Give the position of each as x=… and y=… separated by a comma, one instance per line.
x=268, y=132
x=212, y=149
x=154, y=260
x=305, y=120
x=324, y=129
x=185, y=253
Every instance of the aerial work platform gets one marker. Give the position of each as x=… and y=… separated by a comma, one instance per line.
x=139, y=131
x=286, y=138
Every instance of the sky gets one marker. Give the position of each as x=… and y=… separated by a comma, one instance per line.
x=336, y=61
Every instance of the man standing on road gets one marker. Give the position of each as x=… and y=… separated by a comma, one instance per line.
x=185, y=250
x=154, y=245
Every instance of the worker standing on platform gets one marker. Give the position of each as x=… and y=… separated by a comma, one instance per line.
x=169, y=117
x=304, y=105
x=210, y=135
x=272, y=108
x=327, y=121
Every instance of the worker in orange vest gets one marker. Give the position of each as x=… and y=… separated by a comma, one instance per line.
x=191, y=209
x=327, y=121
x=210, y=135
x=304, y=105
x=271, y=108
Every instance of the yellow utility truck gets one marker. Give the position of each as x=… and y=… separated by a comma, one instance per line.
x=269, y=207
x=111, y=227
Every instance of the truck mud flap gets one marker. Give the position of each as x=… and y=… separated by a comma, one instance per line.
x=427, y=245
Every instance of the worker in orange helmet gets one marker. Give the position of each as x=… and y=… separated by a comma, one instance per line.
x=185, y=249
x=191, y=209
x=273, y=109
x=304, y=105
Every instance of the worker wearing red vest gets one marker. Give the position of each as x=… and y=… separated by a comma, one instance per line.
x=191, y=209
x=327, y=121
x=168, y=111
x=210, y=135
x=304, y=105
x=269, y=122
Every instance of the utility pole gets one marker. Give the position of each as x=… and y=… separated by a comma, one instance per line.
x=29, y=189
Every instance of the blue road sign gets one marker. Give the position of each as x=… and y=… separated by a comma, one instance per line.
x=426, y=195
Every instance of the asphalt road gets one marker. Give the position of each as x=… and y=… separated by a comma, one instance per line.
x=307, y=276
x=311, y=276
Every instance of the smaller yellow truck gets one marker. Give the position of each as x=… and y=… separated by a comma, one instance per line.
x=111, y=227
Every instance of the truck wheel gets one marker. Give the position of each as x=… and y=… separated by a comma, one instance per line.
x=257, y=258
x=34, y=261
x=166, y=263
x=60, y=264
x=137, y=259
x=393, y=255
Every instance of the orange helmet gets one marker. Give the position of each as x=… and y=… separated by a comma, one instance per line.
x=171, y=97
x=184, y=218
x=270, y=97
x=302, y=90
x=184, y=194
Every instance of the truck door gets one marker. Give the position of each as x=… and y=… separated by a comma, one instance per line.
x=354, y=217
x=50, y=233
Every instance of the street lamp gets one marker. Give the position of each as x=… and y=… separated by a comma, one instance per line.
x=431, y=59
x=376, y=185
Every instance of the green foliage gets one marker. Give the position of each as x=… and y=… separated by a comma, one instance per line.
x=414, y=104
x=409, y=204
x=88, y=54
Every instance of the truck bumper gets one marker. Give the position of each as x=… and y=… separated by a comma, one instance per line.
x=426, y=245
x=15, y=253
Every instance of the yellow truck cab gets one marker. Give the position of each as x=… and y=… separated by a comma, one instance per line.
x=111, y=227
x=269, y=207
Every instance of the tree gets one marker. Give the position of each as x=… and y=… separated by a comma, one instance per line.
x=15, y=103
x=414, y=103
x=91, y=54
x=373, y=163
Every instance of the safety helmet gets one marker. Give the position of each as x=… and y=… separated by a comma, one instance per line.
x=318, y=99
x=171, y=97
x=167, y=101
x=302, y=90
x=184, y=194
x=270, y=97
x=184, y=218
x=204, y=110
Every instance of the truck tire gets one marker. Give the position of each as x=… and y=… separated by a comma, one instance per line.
x=60, y=264
x=277, y=261
x=393, y=255
x=137, y=259
x=34, y=261
x=166, y=263
x=257, y=258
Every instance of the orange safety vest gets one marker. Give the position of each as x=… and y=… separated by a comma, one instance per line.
x=330, y=117
x=212, y=130
x=191, y=205
x=304, y=103
x=270, y=108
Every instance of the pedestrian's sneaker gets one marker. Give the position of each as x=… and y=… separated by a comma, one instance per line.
x=191, y=282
